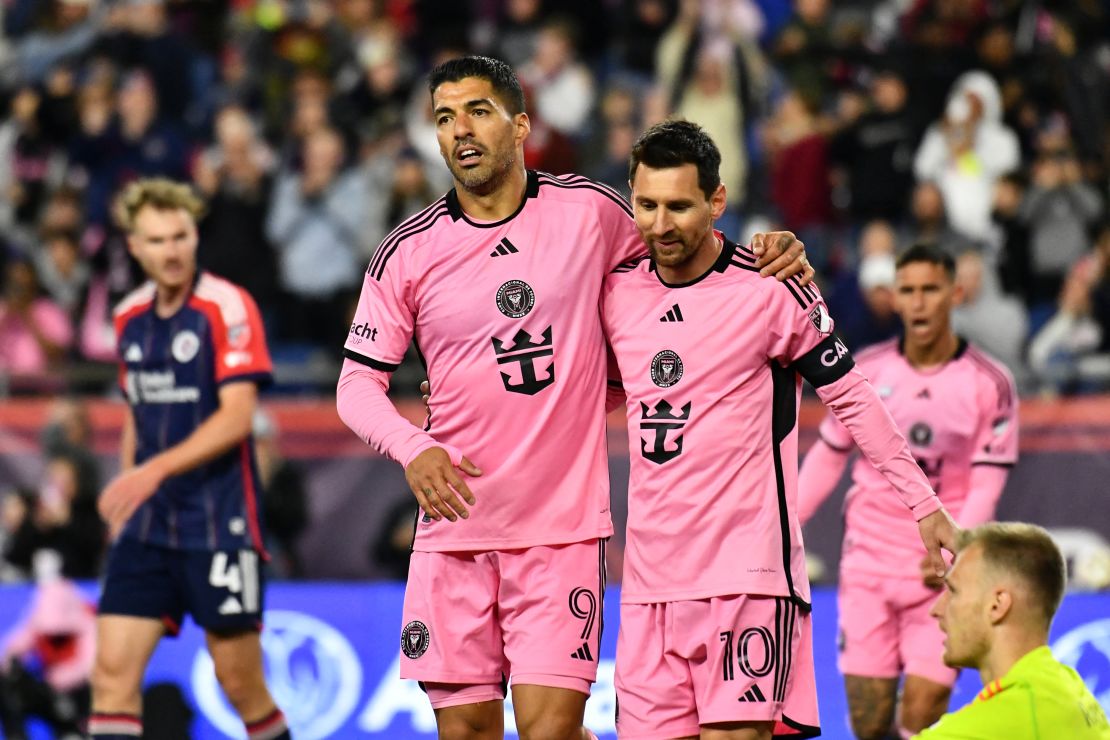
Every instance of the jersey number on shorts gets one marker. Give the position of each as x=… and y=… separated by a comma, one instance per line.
x=240, y=578
x=579, y=598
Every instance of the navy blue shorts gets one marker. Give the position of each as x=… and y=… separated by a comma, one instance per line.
x=222, y=590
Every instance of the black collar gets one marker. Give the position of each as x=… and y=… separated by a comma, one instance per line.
x=724, y=259
x=531, y=190
x=961, y=347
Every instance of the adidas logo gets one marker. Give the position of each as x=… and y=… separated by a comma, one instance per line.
x=753, y=695
x=133, y=354
x=924, y=393
x=675, y=314
x=583, y=653
x=503, y=248
x=231, y=606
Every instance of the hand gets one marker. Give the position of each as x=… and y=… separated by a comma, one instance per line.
x=127, y=493
x=779, y=253
x=928, y=576
x=938, y=531
x=426, y=395
x=437, y=485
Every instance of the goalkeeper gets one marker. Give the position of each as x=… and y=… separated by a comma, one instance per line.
x=996, y=610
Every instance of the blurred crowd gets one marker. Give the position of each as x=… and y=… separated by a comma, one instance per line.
x=862, y=126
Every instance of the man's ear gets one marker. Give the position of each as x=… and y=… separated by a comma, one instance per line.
x=523, y=126
x=718, y=201
x=1001, y=602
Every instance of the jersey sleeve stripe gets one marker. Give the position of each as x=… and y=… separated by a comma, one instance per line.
x=407, y=228
x=807, y=290
x=137, y=298
x=573, y=178
x=630, y=265
x=226, y=297
x=743, y=265
x=745, y=254
x=794, y=292
x=587, y=184
x=1001, y=379
x=386, y=367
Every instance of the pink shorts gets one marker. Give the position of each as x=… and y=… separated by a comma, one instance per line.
x=886, y=630
x=684, y=664
x=474, y=619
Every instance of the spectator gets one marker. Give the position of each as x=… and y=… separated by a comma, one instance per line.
x=1059, y=209
x=642, y=24
x=991, y=320
x=967, y=151
x=800, y=177
x=62, y=518
x=518, y=31
x=865, y=304
x=562, y=87
x=68, y=433
x=63, y=272
x=804, y=48
x=35, y=332
x=876, y=152
x=1012, y=237
x=1071, y=353
x=47, y=659
x=68, y=30
x=929, y=222
x=614, y=134
x=28, y=164
x=235, y=177
x=316, y=223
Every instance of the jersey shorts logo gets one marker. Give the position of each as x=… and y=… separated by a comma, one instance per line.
x=515, y=299
x=666, y=368
x=415, y=639
x=185, y=346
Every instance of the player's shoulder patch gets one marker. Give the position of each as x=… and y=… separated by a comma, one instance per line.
x=991, y=690
x=229, y=298
x=136, y=300
x=584, y=186
x=405, y=231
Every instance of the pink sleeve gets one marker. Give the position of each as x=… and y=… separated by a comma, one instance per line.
x=384, y=319
x=622, y=238
x=984, y=490
x=821, y=471
x=858, y=407
x=833, y=433
x=365, y=408
x=996, y=441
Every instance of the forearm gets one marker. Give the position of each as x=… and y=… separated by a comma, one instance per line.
x=858, y=407
x=127, y=444
x=821, y=470
x=986, y=485
x=364, y=407
x=217, y=434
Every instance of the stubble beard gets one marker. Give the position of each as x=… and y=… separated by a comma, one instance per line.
x=479, y=182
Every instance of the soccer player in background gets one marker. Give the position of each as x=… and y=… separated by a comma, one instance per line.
x=715, y=637
x=957, y=408
x=996, y=611
x=498, y=282
x=184, y=510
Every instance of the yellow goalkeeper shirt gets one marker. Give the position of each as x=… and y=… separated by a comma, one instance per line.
x=1039, y=698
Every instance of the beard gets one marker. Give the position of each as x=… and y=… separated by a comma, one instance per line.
x=483, y=179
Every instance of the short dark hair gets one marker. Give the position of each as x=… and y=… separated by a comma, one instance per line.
x=931, y=253
x=1027, y=552
x=674, y=143
x=500, y=75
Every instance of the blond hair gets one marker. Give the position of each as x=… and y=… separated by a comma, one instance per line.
x=1027, y=552
x=156, y=192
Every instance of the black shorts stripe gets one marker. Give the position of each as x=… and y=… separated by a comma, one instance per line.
x=389, y=246
x=589, y=185
x=778, y=648
x=386, y=367
x=601, y=578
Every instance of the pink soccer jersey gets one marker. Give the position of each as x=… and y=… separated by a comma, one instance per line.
x=958, y=416
x=711, y=374
x=505, y=316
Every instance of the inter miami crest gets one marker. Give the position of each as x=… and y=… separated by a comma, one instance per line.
x=414, y=639
x=921, y=434
x=515, y=299
x=666, y=368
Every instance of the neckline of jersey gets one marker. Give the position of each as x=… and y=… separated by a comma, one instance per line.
x=184, y=304
x=724, y=259
x=531, y=190
x=961, y=347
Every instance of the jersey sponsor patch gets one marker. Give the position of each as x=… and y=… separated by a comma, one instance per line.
x=415, y=639
x=515, y=299
x=239, y=336
x=666, y=368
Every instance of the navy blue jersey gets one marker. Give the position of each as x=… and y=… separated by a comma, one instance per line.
x=171, y=371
